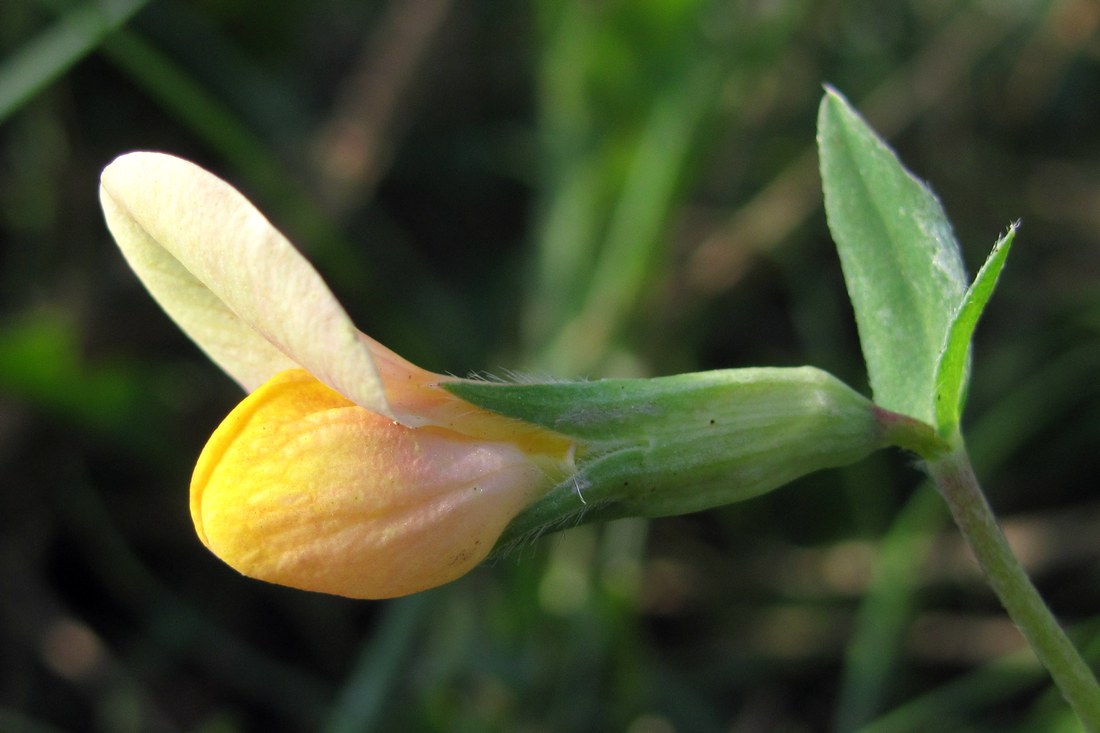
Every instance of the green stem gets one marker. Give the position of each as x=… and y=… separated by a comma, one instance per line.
x=955, y=480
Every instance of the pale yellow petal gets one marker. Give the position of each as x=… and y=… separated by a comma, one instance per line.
x=230, y=280
x=301, y=487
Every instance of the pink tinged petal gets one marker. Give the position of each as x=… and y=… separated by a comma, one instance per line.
x=231, y=281
x=300, y=487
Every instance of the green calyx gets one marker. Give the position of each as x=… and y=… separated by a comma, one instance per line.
x=672, y=445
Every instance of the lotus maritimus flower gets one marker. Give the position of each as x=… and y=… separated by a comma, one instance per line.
x=346, y=469
x=351, y=471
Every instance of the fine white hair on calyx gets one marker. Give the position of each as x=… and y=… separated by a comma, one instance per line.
x=512, y=376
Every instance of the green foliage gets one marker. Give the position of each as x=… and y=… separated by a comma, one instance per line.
x=901, y=262
x=903, y=269
x=953, y=364
x=868, y=195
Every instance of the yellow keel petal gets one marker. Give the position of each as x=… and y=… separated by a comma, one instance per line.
x=299, y=486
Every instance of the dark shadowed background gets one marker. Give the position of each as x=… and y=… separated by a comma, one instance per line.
x=569, y=188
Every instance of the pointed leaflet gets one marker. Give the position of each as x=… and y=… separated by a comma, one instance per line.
x=901, y=262
x=953, y=365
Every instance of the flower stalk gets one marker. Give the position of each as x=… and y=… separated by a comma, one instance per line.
x=955, y=479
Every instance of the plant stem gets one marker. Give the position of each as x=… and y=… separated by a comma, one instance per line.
x=955, y=480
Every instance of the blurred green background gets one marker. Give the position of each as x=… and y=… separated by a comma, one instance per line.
x=560, y=187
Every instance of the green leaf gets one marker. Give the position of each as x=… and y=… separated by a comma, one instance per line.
x=901, y=262
x=952, y=369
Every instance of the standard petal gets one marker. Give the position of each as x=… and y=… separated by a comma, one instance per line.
x=301, y=487
x=231, y=281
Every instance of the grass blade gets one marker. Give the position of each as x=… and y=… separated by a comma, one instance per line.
x=55, y=51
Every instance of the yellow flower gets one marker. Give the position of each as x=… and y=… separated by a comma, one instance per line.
x=347, y=469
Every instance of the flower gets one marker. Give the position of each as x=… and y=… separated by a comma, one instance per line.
x=349, y=470
x=346, y=469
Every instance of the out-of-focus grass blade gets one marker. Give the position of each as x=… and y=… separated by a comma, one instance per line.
x=901, y=262
x=45, y=58
x=977, y=691
x=189, y=100
x=886, y=610
x=635, y=234
x=370, y=686
x=40, y=364
x=178, y=92
x=623, y=118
